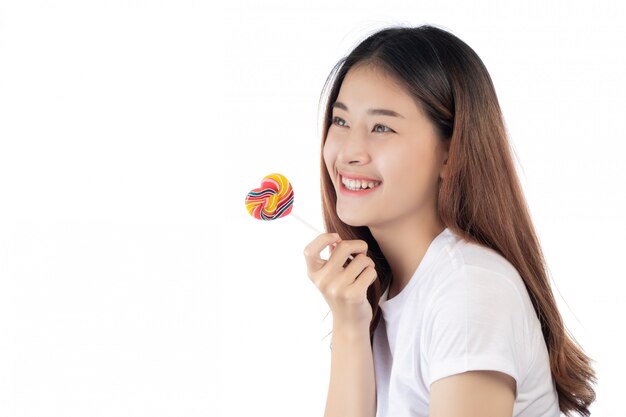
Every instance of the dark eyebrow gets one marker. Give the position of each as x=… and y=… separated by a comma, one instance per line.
x=382, y=112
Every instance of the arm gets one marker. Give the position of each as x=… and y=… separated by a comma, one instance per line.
x=473, y=393
x=352, y=389
x=477, y=344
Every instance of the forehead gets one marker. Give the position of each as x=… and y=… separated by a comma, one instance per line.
x=366, y=86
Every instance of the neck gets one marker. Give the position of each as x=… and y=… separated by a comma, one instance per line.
x=404, y=243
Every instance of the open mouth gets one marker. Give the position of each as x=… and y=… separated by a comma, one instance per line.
x=352, y=187
x=359, y=185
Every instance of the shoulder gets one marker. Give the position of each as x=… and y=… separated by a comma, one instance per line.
x=477, y=316
x=475, y=281
x=479, y=294
x=476, y=271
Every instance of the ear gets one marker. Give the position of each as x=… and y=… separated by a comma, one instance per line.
x=444, y=165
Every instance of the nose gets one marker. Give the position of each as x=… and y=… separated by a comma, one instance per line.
x=354, y=148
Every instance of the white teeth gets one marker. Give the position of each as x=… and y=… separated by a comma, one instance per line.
x=358, y=184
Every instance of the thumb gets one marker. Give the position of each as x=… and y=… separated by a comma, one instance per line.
x=333, y=245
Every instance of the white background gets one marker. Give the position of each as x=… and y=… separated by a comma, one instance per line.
x=133, y=282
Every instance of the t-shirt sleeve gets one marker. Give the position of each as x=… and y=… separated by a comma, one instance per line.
x=474, y=321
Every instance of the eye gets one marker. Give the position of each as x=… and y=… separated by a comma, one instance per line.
x=339, y=119
x=384, y=127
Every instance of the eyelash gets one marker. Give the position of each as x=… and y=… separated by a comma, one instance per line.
x=390, y=129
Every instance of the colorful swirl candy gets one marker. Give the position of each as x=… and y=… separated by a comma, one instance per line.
x=273, y=200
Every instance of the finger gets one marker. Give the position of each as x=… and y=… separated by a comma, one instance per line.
x=312, y=251
x=343, y=251
x=356, y=267
x=364, y=280
x=333, y=246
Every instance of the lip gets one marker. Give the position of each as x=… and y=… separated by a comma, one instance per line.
x=355, y=176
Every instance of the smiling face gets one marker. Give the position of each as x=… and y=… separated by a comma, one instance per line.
x=403, y=152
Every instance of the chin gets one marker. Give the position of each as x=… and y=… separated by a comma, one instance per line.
x=351, y=221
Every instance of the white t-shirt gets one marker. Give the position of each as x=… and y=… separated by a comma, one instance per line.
x=465, y=308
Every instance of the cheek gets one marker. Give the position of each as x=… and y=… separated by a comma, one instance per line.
x=409, y=168
x=329, y=153
x=395, y=162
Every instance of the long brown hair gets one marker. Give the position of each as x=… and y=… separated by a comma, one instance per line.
x=481, y=199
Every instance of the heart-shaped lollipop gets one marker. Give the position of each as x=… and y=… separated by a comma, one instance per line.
x=273, y=200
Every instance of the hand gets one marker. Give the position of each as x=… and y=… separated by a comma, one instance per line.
x=344, y=289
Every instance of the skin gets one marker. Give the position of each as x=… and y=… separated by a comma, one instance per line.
x=402, y=213
x=408, y=157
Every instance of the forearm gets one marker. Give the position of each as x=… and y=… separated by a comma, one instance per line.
x=352, y=388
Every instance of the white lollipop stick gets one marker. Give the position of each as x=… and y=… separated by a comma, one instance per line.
x=314, y=229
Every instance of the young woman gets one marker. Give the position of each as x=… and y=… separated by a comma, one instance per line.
x=445, y=308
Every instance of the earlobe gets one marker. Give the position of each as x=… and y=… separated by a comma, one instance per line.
x=444, y=171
